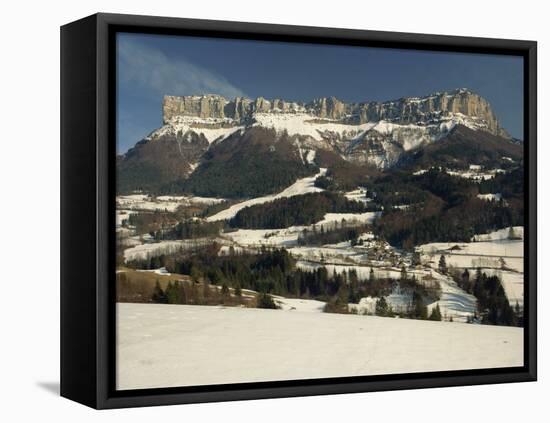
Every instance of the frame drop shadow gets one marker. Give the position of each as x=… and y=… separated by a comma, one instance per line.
x=50, y=387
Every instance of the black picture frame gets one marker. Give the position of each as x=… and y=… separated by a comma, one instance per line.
x=88, y=201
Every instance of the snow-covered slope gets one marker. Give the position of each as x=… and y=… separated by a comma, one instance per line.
x=161, y=345
x=498, y=253
x=211, y=128
x=301, y=186
x=515, y=232
x=163, y=203
x=307, y=125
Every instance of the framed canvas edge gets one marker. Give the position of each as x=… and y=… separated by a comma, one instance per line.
x=107, y=398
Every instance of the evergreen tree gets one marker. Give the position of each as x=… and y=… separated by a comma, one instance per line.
x=420, y=311
x=403, y=273
x=415, y=260
x=205, y=289
x=436, y=313
x=382, y=308
x=465, y=278
x=195, y=274
x=173, y=293
x=194, y=294
x=266, y=301
x=158, y=294
x=442, y=264
x=225, y=290
x=238, y=290
x=180, y=289
x=478, y=276
x=171, y=296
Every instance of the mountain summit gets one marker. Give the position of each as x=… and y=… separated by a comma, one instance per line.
x=205, y=137
x=461, y=104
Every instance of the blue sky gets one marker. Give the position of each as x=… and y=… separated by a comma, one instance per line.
x=150, y=66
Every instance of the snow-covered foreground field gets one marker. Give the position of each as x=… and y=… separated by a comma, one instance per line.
x=179, y=345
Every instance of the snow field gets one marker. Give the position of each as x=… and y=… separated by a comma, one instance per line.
x=183, y=124
x=171, y=345
x=490, y=197
x=493, y=253
x=454, y=302
x=145, y=251
x=305, y=124
x=131, y=203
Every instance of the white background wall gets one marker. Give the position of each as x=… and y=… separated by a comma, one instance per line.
x=29, y=166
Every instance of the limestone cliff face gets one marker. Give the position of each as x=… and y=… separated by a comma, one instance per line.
x=431, y=108
x=330, y=108
x=417, y=110
x=218, y=107
x=206, y=106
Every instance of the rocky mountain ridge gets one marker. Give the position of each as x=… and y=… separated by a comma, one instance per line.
x=427, y=110
x=204, y=137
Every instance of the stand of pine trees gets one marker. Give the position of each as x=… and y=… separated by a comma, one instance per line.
x=298, y=210
x=493, y=305
x=442, y=207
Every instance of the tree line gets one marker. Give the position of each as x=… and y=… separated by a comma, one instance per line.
x=332, y=234
x=493, y=305
x=449, y=212
x=297, y=210
x=274, y=272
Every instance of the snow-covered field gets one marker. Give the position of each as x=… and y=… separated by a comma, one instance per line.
x=190, y=199
x=367, y=217
x=299, y=304
x=301, y=186
x=493, y=253
x=474, y=172
x=501, y=234
x=454, y=302
x=122, y=215
x=362, y=271
x=178, y=345
x=163, y=203
x=271, y=237
x=490, y=197
x=145, y=251
x=358, y=195
x=490, y=254
x=288, y=237
x=153, y=249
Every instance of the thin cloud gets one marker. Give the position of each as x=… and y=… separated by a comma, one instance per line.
x=152, y=70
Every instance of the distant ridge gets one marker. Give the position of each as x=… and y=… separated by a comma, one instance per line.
x=417, y=110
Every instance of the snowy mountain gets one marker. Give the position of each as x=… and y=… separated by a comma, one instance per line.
x=368, y=133
x=461, y=105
